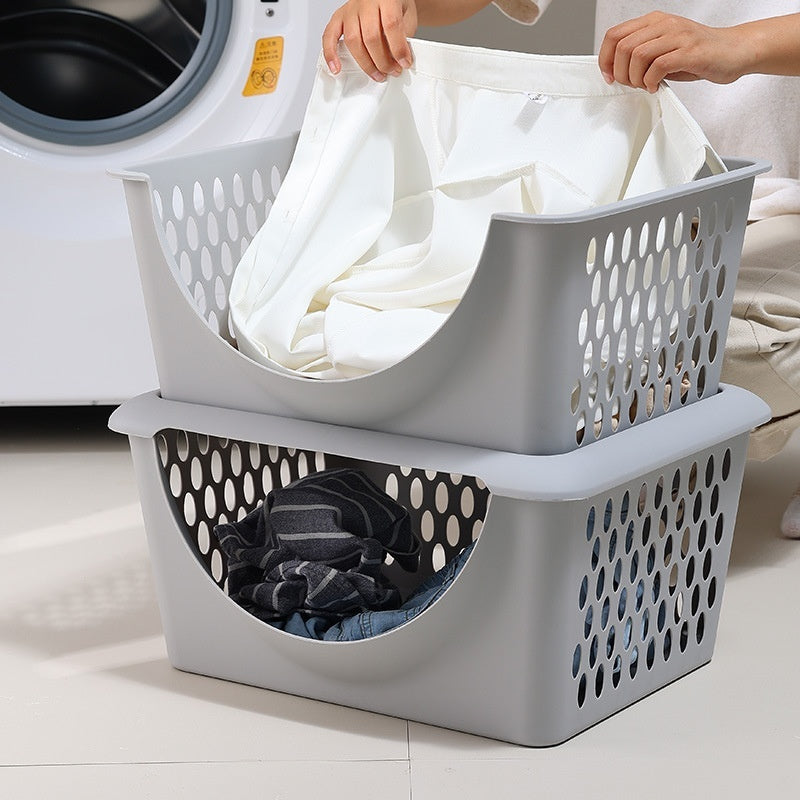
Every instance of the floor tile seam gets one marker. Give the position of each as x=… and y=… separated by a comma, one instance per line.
x=218, y=762
x=530, y=755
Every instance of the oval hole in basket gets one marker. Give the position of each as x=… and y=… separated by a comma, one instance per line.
x=198, y=198
x=729, y=210
x=583, y=326
x=652, y=303
x=635, y=307
x=619, y=309
x=608, y=253
x=677, y=229
x=625, y=248
x=600, y=323
x=177, y=202
x=721, y=277
x=218, y=193
x=233, y=225
x=575, y=397
x=630, y=277
x=275, y=180
x=699, y=256
x=597, y=286
x=644, y=236
x=686, y=295
x=682, y=261
x=648, y=271
x=711, y=218
x=212, y=229
x=613, y=282
x=669, y=297
x=257, y=183
x=661, y=233
x=238, y=190
x=185, y=268
x=716, y=253
x=591, y=255
x=666, y=266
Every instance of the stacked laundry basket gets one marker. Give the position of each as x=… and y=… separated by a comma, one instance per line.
x=568, y=416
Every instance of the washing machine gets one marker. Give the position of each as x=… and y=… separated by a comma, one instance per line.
x=92, y=85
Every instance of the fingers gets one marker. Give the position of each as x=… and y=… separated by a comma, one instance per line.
x=608, y=49
x=354, y=41
x=633, y=53
x=330, y=42
x=391, y=18
x=651, y=62
x=668, y=65
x=374, y=33
x=633, y=56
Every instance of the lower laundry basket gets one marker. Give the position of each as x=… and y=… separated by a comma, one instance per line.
x=574, y=326
x=597, y=575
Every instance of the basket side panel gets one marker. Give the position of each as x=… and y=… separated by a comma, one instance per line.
x=643, y=588
x=649, y=316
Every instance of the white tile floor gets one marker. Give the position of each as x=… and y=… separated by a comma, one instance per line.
x=90, y=707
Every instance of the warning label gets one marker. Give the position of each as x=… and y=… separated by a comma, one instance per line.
x=266, y=67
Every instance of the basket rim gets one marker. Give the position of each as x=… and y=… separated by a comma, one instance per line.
x=575, y=475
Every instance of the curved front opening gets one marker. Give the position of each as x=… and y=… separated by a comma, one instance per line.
x=92, y=72
x=209, y=481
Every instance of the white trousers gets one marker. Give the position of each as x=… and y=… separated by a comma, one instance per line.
x=381, y=219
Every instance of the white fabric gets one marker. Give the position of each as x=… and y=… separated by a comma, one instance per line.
x=381, y=219
x=754, y=117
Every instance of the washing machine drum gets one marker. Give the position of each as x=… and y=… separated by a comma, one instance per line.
x=90, y=72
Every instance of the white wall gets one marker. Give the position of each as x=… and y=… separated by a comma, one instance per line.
x=567, y=27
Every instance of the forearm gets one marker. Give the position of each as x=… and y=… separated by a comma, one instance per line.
x=447, y=12
x=772, y=45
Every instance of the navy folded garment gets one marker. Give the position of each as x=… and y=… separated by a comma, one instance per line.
x=316, y=547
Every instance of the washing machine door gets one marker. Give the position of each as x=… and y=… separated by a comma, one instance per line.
x=91, y=72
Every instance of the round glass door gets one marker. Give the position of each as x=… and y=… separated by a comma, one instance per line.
x=90, y=72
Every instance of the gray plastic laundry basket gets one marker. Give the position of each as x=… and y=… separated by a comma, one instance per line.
x=597, y=576
x=573, y=328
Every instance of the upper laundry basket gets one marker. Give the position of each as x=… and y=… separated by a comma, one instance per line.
x=574, y=326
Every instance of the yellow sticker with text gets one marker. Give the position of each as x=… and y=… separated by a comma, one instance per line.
x=266, y=67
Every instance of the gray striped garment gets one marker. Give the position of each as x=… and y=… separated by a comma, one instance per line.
x=316, y=546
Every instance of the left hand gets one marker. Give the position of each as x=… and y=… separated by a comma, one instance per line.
x=643, y=51
x=376, y=34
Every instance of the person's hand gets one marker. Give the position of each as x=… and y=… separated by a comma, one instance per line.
x=643, y=51
x=375, y=32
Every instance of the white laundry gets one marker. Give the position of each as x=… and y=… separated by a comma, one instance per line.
x=381, y=219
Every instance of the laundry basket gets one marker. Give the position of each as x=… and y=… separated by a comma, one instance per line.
x=573, y=328
x=596, y=578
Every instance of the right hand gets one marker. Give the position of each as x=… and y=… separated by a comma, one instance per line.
x=643, y=51
x=376, y=34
